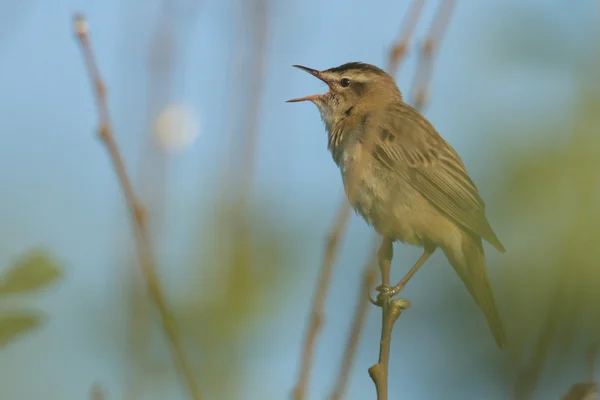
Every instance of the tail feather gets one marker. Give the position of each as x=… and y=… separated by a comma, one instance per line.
x=469, y=263
x=492, y=239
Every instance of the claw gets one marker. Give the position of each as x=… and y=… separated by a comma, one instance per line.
x=374, y=302
x=387, y=292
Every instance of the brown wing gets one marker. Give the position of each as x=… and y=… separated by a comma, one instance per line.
x=410, y=146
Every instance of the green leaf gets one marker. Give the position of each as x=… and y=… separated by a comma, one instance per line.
x=33, y=271
x=13, y=326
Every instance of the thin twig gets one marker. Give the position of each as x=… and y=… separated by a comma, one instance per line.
x=432, y=43
x=400, y=47
x=138, y=215
x=390, y=312
x=379, y=371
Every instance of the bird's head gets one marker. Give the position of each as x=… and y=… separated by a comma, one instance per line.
x=353, y=88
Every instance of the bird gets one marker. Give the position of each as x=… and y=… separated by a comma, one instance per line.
x=404, y=179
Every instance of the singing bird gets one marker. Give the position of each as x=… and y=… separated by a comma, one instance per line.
x=403, y=178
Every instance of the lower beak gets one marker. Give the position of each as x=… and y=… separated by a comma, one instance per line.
x=305, y=98
x=314, y=73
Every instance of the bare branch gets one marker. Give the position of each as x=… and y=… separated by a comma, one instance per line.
x=431, y=44
x=401, y=46
x=138, y=215
x=379, y=372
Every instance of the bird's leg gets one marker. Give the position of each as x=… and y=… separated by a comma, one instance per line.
x=396, y=289
x=384, y=260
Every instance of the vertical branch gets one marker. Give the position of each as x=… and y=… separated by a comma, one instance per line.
x=391, y=310
x=400, y=47
x=431, y=44
x=138, y=215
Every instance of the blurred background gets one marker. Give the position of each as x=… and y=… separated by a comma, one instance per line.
x=241, y=193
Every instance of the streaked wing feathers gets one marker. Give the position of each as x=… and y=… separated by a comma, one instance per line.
x=409, y=145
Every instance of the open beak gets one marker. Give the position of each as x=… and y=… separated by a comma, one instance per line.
x=314, y=73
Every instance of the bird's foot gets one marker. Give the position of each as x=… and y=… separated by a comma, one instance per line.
x=386, y=292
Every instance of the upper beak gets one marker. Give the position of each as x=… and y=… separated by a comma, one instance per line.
x=313, y=72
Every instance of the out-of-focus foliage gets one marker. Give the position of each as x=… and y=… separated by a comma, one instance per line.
x=235, y=285
x=35, y=270
x=550, y=203
x=13, y=326
x=552, y=277
x=552, y=195
x=251, y=267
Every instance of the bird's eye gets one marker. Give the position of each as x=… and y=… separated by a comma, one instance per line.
x=345, y=82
